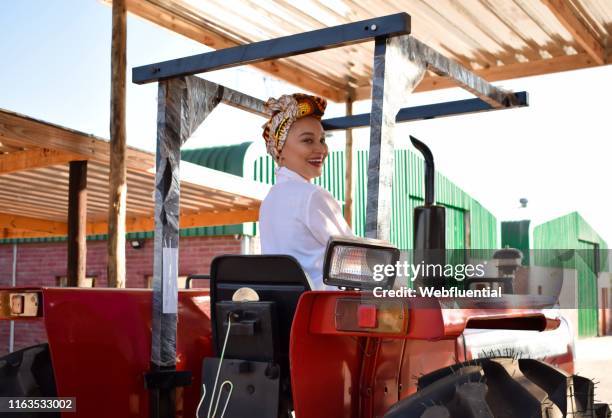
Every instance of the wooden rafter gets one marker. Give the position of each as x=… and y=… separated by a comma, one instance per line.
x=33, y=158
x=10, y=233
x=15, y=226
x=562, y=11
x=34, y=225
x=147, y=223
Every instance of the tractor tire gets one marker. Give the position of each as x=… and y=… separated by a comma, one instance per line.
x=501, y=388
x=28, y=373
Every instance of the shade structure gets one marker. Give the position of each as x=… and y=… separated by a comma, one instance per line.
x=497, y=39
x=34, y=174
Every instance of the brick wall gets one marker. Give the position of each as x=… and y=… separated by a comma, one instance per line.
x=40, y=264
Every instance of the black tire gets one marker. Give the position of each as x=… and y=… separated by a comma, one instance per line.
x=28, y=373
x=501, y=388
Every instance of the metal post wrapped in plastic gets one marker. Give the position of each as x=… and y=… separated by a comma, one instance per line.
x=183, y=104
x=396, y=73
x=429, y=224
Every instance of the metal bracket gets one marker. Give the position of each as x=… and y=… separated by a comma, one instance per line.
x=464, y=78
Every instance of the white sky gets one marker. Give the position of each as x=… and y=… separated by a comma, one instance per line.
x=556, y=152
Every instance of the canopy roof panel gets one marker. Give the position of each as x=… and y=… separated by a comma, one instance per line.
x=498, y=39
x=34, y=157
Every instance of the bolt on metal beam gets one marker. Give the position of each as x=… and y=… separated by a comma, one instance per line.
x=286, y=46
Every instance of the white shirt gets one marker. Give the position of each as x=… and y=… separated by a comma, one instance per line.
x=297, y=218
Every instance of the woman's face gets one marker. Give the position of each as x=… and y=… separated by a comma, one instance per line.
x=305, y=149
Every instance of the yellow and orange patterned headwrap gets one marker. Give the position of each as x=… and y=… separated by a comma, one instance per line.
x=284, y=111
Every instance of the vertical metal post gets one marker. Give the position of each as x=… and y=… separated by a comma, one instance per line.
x=165, y=260
x=395, y=75
x=13, y=283
x=183, y=104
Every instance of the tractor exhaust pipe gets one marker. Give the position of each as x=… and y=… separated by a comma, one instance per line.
x=429, y=170
x=429, y=223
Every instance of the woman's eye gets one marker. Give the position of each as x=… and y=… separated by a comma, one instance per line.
x=307, y=140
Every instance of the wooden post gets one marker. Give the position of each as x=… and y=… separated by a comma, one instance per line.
x=117, y=178
x=348, y=157
x=77, y=223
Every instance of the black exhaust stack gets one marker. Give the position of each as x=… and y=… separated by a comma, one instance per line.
x=429, y=221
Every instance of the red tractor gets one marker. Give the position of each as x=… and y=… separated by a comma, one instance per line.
x=256, y=341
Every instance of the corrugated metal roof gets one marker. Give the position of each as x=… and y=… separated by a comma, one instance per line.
x=499, y=39
x=229, y=159
x=34, y=183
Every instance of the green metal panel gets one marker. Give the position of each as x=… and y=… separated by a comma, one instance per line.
x=515, y=234
x=408, y=192
x=455, y=228
x=573, y=232
x=229, y=159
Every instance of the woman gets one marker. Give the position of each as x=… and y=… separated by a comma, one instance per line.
x=297, y=217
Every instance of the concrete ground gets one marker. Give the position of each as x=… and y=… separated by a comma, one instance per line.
x=594, y=360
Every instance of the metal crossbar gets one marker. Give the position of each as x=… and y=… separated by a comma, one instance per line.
x=286, y=46
x=431, y=111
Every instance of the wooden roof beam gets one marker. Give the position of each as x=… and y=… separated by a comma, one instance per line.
x=200, y=219
x=24, y=131
x=34, y=225
x=14, y=226
x=562, y=11
x=10, y=233
x=34, y=158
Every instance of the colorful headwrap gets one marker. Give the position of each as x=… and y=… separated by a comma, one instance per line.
x=284, y=111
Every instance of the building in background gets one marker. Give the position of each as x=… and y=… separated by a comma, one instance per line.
x=567, y=250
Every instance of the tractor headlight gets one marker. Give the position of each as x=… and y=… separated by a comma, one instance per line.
x=359, y=263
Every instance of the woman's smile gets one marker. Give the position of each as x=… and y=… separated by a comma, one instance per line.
x=317, y=162
x=305, y=150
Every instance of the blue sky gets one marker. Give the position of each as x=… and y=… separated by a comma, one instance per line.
x=56, y=67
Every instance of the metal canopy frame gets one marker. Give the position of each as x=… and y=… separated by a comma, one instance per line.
x=184, y=102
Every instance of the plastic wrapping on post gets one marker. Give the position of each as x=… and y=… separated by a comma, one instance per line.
x=395, y=76
x=183, y=104
x=244, y=102
x=466, y=79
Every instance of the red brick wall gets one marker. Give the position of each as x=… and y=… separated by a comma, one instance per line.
x=41, y=263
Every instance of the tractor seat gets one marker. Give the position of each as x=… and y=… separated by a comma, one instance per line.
x=275, y=278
